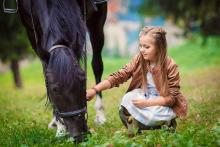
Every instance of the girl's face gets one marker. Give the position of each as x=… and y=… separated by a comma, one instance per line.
x=147, y=48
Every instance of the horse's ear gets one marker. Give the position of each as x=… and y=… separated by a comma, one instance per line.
x=77, y=47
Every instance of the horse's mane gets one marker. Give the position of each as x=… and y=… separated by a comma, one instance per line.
x=66, y=23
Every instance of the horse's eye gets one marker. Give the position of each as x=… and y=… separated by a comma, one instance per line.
x=55, y=89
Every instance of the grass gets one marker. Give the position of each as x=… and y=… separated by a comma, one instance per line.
x=24, y=117
x=192, y=54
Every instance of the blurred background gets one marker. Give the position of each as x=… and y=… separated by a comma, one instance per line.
x=184, y=20
x=193, y=35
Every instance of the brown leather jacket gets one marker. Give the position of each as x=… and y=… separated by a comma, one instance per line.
x=175, y=99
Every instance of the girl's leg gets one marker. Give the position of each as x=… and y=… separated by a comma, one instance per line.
x=144, y=127
x=129, y=122
x=124, y=115
x=172, y=124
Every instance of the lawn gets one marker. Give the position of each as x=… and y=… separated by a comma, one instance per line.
x=24, y=116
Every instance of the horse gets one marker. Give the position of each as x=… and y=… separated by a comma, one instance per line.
x=57, y=32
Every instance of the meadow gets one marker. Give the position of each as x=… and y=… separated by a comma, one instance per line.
x=24, y=116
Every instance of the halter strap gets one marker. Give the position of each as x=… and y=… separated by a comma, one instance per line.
x=10, y=10
x=57, y=46
x=71, y=113
x=60, y=115
x=100, y=1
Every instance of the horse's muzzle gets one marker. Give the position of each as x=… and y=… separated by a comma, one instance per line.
x=82, y=137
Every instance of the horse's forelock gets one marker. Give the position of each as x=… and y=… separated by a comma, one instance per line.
x=64, y=67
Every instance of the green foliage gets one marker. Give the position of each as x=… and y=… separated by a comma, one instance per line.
x=24, y=117
x=14, y=43
x=202, y=15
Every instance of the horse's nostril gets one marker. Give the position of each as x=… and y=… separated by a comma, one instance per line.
x=80, y=138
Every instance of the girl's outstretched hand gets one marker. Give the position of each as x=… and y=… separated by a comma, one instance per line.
x=140, y=103
x=90, y=93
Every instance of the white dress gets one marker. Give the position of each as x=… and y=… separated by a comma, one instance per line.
x=149, y=116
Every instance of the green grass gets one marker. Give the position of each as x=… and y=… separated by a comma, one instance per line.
x=192, y=54
x=24, y=117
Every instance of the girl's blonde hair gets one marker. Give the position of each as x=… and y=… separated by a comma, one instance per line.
x=159, y=36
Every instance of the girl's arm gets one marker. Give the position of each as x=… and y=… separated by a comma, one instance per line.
x=114, y=79
x=124, y=73
x=90, y=93
x=159, y=101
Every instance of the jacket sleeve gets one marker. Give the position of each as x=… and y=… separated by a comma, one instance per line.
x=173, y=84
x=123, y=74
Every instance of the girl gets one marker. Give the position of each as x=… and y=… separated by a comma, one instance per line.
x=153, y=98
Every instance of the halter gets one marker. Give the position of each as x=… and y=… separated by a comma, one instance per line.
x=100, y=1
x=10, y=10
x=76, y=113
x=57, y=113
x=57, y=46
x=71, y=113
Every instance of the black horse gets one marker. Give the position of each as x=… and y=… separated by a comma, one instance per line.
x=57, y=32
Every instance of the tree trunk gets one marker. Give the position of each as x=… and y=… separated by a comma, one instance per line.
x=16, y=73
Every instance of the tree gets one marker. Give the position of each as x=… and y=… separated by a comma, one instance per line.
x=14, y=44
x=193, y=15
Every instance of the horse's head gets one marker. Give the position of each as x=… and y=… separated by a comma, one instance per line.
x=51, y=23
x=66, y=90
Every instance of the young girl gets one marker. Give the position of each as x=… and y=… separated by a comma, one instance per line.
x=153, y=98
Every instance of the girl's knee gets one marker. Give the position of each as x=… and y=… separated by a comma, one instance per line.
x=125, y=111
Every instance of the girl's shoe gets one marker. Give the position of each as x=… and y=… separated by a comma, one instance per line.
x=132, y=126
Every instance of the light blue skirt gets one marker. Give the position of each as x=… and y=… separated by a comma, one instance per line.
x=149, y=116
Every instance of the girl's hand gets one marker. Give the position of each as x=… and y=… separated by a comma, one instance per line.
x=90, y=93
x=140, y=103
